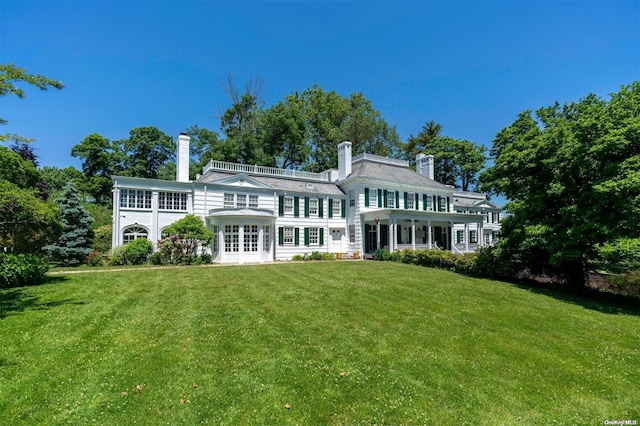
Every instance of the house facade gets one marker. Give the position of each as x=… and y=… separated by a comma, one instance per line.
x=261, y=214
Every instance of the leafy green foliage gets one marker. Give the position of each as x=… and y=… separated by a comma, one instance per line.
x=191, y=233
x=101, y=158
x=95, y=258
x=147, y=152
x=17, y=270
x=137, y=252
x=74, y=244
x=620, y=255
x=102, y=238
x=572, y=175
x=11, y=76
x=16, y=170
x=456, y=162
x=27, y=223
x=55, y=179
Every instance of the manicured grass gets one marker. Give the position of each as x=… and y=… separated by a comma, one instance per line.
x=340, y=342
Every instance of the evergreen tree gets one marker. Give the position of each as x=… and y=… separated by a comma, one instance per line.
x=74, y=245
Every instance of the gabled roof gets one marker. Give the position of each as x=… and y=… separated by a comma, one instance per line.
x=478, y=200
x=277, y=183
x=241, y=180
x=390, y=173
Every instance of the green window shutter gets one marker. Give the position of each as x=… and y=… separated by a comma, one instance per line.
x=406, y=200
x=397, y=200
x=306, y=206
x=296, y=236
x=281, y=206
x=306, y=236
x=448, y=205
x=343, y=205
x=330, y=208
x=296, y=206
x=366, y=197
x=416, y=201
x=434, y=205
x=439, y=203
x=458, y=237
x=320, y=207
x=384, y=198
x=379, y=197
x=321, y=236
x=280, y=235
x=424, y=201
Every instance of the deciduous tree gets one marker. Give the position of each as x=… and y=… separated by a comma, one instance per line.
x=572, y=175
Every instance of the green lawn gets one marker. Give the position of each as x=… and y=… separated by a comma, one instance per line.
x=339, y=342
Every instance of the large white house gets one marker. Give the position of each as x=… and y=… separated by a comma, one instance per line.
x=261, y=214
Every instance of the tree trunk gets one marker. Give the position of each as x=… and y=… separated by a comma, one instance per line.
x=575, y=274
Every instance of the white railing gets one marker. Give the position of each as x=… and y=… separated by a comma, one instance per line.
x=379, y=159
x=266, y=171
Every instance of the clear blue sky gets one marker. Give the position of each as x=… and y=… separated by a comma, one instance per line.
x=471, y=66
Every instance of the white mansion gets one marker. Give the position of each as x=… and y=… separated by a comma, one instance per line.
x=261, y=214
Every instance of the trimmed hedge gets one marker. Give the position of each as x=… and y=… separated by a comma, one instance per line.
x=481, y=263
x=18, y=270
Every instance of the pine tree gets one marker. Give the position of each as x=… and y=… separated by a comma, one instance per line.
x=74, y=245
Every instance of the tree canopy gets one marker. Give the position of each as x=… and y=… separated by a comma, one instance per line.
x=572, y=175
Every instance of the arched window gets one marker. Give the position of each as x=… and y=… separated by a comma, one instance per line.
x=132, y=232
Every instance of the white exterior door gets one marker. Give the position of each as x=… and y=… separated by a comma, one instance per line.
x=337, y=235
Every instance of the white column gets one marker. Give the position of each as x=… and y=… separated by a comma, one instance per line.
x=392, y=235
x=115, y=232
x=155, y=232
x=429, y=233
x=261, y=241
x=413, y=234
x=377, y=235
x=466, y=237
x=480, y=233
x=451, y=236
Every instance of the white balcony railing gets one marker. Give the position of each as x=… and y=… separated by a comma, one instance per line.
x=265, y=171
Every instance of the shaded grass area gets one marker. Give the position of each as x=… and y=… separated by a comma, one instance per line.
x=340, y=343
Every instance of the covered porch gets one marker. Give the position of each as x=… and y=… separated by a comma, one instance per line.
x=401, y=230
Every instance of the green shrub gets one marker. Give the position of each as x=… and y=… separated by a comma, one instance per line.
x=17, y=270
x=628, y=283
x=102, y=238
x=95, y=258
x=205, y=259
x=381, y=254
x=137, y=251
x=298, y=257
x=117, y=256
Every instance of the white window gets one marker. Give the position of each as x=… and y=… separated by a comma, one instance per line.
x=473, y=237
x=391, y=199
x=313, y=207
x=337, y=208
x=429, y=203
x=352, y=198
x=172, y=201
x=288, y=205
x=487, y=239
x=135, y=199
x=266, y=239
x=231, y=238
x=253, y=201
x=313, y=236
x=411, y=201
x=459, y=237
x=287, y=235
x=352, y=233
x=229, y=201
x=241, y=201
x=251, y=238
x=133, y=232
x=373, y=197
x=214, y=240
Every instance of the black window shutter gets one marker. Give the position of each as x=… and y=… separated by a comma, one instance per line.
x=366, y=197
x=296, y=206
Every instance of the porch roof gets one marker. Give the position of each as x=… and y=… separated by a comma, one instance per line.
x=384, y=214
x=242, y=212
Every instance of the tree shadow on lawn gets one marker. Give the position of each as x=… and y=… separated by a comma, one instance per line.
x=17, y=300
x=588, y=298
